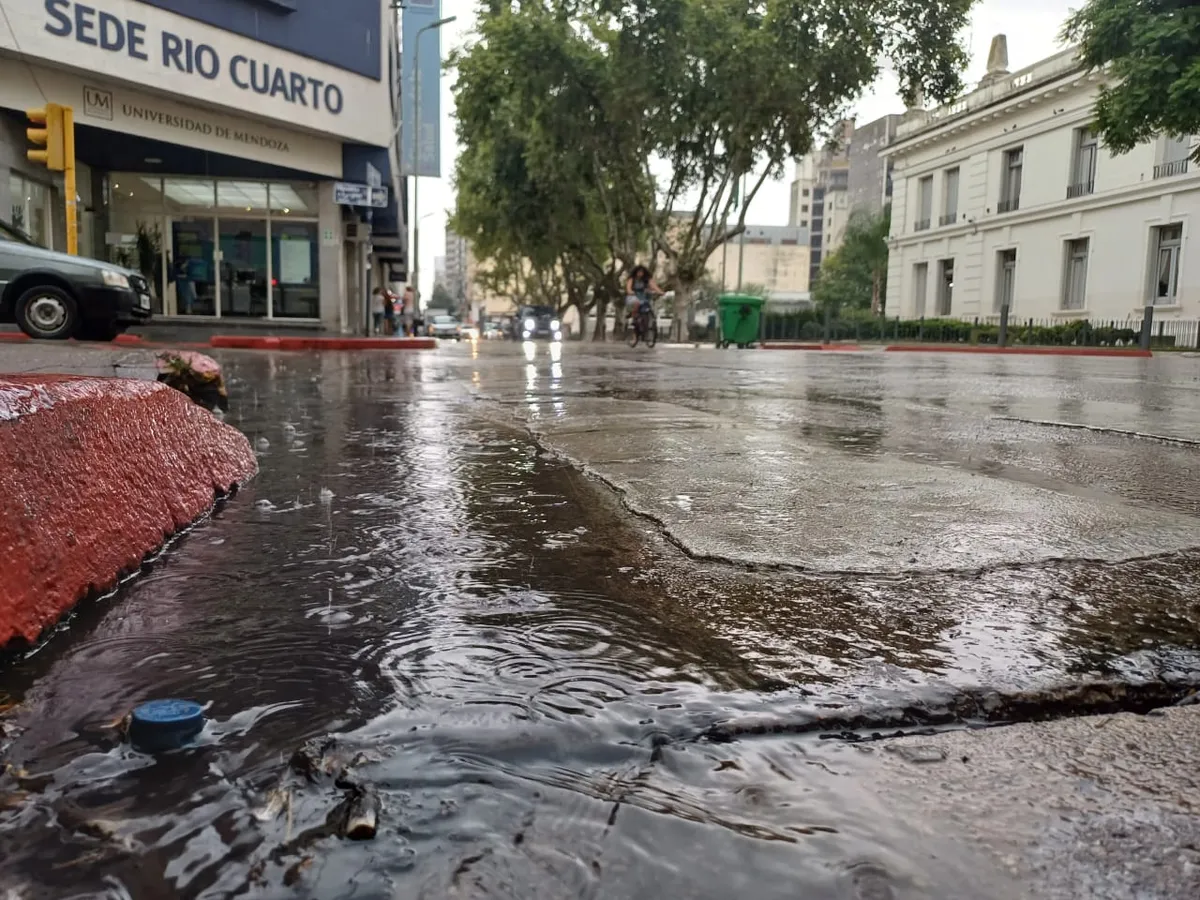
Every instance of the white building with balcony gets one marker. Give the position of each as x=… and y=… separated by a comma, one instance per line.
x=1007, y=197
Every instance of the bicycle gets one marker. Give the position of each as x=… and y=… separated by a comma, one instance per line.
x=643, y=324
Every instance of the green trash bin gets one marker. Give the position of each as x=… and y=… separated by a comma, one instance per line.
x=740, y=314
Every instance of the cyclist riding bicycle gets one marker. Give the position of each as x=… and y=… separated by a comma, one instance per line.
x=638, y=288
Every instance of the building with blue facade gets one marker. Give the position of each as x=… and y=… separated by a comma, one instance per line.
x=216, y=132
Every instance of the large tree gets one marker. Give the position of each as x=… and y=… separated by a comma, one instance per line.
x=854, y=276
x=630, y=123
x=1151, y=51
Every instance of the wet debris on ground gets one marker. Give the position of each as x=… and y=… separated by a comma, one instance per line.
x=980, y=707
x=356, y=817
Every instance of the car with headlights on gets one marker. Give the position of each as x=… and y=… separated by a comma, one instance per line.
x=53, y=296
x=535, y=323
x=445, y=327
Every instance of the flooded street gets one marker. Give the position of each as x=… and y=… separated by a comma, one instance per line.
x=606, y=624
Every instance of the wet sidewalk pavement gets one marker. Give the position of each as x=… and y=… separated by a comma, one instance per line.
x=532, y=591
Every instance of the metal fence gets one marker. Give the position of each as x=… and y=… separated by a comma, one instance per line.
x=1147, y=331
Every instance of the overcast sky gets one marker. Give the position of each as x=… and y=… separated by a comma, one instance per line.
x=1032, y=27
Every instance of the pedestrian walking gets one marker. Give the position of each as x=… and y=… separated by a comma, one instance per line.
x=410, y=311
x=378, y=308
x=389, y=313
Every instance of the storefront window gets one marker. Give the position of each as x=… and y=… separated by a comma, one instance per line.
x=228, y=248
x=296, y=265
x=189, y=193
x=242, y=196
x=31, y=208
x=296, y=199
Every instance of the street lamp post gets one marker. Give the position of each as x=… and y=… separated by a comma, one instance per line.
x=416, y=147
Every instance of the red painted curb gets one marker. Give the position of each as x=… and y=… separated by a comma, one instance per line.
x=250, y=342
x=94, y=474
x=1022, y=351
x=786, y=346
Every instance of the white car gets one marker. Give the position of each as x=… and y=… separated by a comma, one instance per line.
x=445, y=327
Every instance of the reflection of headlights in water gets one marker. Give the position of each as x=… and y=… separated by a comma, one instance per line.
x=555, y=325
x=530, y=349
x=556, y=355
x=530, y=325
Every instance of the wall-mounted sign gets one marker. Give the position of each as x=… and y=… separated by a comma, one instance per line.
x=177, y=55
x=347, y=193
x=99, y=28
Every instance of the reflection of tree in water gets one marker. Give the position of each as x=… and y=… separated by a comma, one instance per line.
x=1111, y=611
x=853, y=423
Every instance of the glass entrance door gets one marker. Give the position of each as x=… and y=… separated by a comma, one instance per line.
x=243, y=244
x=192, y=269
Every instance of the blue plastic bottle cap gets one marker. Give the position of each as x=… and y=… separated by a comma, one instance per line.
x=165, y=724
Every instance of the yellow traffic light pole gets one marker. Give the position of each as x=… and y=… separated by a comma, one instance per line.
x=55, y=135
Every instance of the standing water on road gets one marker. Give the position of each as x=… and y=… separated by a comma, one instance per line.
x=483, y=573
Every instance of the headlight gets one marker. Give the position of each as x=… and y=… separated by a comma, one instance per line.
x=530, y=324
x=114, y=279
x=555, y=325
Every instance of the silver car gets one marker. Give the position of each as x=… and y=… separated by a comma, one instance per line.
x=446, y=327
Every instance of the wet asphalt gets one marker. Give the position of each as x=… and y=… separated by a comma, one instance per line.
x=609, y=623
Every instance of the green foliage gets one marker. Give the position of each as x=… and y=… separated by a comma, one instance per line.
x=569, y=111
x=854, y=276
x=860, y=325
x=1152, y=52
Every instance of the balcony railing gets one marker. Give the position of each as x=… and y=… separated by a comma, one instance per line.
x=1166, y=170
x=1080, y=190
x=921, y=225
x=1011, y=204
x=948, y=219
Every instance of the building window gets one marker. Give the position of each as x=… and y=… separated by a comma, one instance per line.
x=945, y=298
x=1167, y=241
x=920, y=287
x=1010, y=181
x=1075, y=275
x=949, y=197
x=924, y=203
x=804, y=207
x=1175, y=152
x=804, y=223
x=804, y=192
x=1083, y=169
x=1006, y=278
x=31, y=209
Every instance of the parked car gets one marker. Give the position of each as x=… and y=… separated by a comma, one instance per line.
x=492, y=331
x=537, y=323
x=445, y=327
x=53, y=296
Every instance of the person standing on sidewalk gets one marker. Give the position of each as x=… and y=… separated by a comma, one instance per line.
x=378, y=308
x=410, y=312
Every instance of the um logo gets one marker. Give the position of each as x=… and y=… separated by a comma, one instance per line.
x=97, y=104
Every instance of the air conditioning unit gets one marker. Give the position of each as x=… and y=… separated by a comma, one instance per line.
x=358, y=232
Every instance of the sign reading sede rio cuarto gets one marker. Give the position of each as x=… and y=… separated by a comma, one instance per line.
x=348, y=193
x=96, y=28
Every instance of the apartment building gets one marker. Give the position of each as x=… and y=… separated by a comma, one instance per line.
x=870, y=171
x=1008, y=197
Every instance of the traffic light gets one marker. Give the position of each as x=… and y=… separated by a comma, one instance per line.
x=54, y=137
x=49, y=135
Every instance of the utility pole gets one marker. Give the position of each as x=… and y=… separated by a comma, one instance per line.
x=742, y=238
x=54, y=136
x=416, y=159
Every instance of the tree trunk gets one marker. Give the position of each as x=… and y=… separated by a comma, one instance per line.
x=601, y=308
x=679, y=321
x=875, y=293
